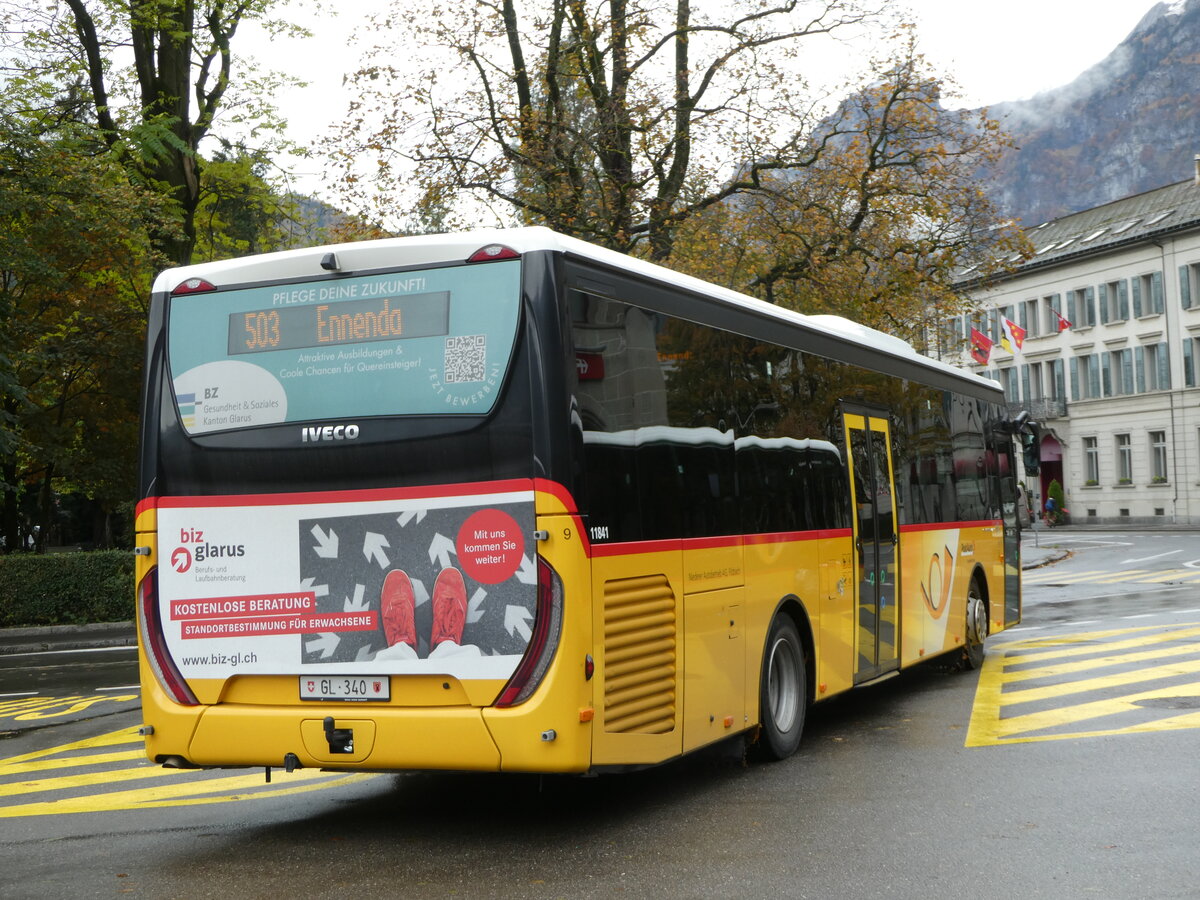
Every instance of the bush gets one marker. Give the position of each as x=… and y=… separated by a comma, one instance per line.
x=66, y=588
x=1055, y=492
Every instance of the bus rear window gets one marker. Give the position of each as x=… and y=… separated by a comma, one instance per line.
x=428, y=342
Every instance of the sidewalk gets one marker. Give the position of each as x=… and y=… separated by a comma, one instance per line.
x=67, y=637
x=1043, y=552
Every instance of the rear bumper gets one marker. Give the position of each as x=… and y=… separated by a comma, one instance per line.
x=450, y=739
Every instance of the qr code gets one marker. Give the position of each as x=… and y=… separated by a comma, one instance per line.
x=465, y=358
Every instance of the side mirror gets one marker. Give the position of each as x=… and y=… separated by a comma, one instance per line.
x=1031, y=447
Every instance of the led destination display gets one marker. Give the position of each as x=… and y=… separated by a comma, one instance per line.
x=346, y=322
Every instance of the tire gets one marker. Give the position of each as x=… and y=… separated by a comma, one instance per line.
x=783, y=690
x=976, y=627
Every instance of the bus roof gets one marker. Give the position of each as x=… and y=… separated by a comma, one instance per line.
x=459, y=246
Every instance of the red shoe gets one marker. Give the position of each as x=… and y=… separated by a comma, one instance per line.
x=449, y=607
x=397, y=605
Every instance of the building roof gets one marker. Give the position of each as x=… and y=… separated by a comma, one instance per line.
x=1130, y=220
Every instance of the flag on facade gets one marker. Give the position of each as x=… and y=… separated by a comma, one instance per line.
x=1013, y=337
x=1063, y=324
x=981, y=347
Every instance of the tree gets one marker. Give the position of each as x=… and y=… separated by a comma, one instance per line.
x=615, y=122
x=154, y=116
x=690, y=139
x=883, y=222
x=75, y=263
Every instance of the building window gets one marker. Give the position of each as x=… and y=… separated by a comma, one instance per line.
x=1114, y=301
x=1029, y=318
x=1091, y=460
x=977, y=320
x=1116, y=373
x=1085, y=377
x=1055, y=383
x=1153, y=365
x=1008, y=379
x=1147, y=294
x=950, y=336
x=1051, y=309
x=1189, y=286
x=1191, y=358
x=1032, y=376
x=1158, y=456
x=1124, y=459
x=1081, y=307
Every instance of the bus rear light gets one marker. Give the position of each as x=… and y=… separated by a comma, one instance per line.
x=154, y=646
x=194, y=286
x=547, y=629
x=492, y=253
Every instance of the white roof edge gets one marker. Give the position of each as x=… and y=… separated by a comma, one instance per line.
x=455, y=246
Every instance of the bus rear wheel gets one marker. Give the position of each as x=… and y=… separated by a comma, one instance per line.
x=977, y=627
x=783, y=692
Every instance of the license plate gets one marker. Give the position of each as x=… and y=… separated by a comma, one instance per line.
x=345, y=687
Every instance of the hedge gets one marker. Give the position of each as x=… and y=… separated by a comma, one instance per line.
x=66, y=588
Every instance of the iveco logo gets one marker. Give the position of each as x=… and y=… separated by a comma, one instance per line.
x=328, y=433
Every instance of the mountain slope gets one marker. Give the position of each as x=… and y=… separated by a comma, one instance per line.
x=1128, y=124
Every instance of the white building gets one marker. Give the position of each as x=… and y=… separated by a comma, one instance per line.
x=1118, y=392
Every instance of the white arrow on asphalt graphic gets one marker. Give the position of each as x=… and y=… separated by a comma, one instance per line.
x=324, y=644
x=420, y=592
x=327, y=544
x=475, y=607
x=319, y=590
x=373, y=545
x=517, y=619
x=440, y=549
x=527, y=573
x=358, y=604
x=409, y=516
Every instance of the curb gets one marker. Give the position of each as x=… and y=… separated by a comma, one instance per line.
x=67, y=637
x=1057, y=556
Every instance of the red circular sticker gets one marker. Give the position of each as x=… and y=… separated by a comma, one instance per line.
x=490, y=546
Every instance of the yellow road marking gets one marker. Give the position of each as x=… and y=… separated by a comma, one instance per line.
x=34, y=708
x=1170, y=575
x=66, y=782
x=1055, y=575
x=174, y=787
x=46, y=765
x=1085, y=665
x=1008, y=709
x=1108, y=576
x=1082, y=644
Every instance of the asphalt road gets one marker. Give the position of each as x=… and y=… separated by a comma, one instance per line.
x=1067, y=768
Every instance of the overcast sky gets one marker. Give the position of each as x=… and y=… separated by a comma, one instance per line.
x=995, y=52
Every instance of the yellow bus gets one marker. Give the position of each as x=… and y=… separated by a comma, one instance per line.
x=505, y=501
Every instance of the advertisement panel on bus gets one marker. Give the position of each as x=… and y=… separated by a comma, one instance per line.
x=358, y=582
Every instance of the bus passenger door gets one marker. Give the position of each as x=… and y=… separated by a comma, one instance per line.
x=876, y=546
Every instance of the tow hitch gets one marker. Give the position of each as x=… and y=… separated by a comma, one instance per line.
x=340, y=740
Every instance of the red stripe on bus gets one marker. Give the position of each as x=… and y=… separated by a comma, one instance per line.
x=636, y=547
x=556, y=490
x=783, y=537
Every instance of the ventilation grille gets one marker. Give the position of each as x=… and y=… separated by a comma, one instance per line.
x=639, y=656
